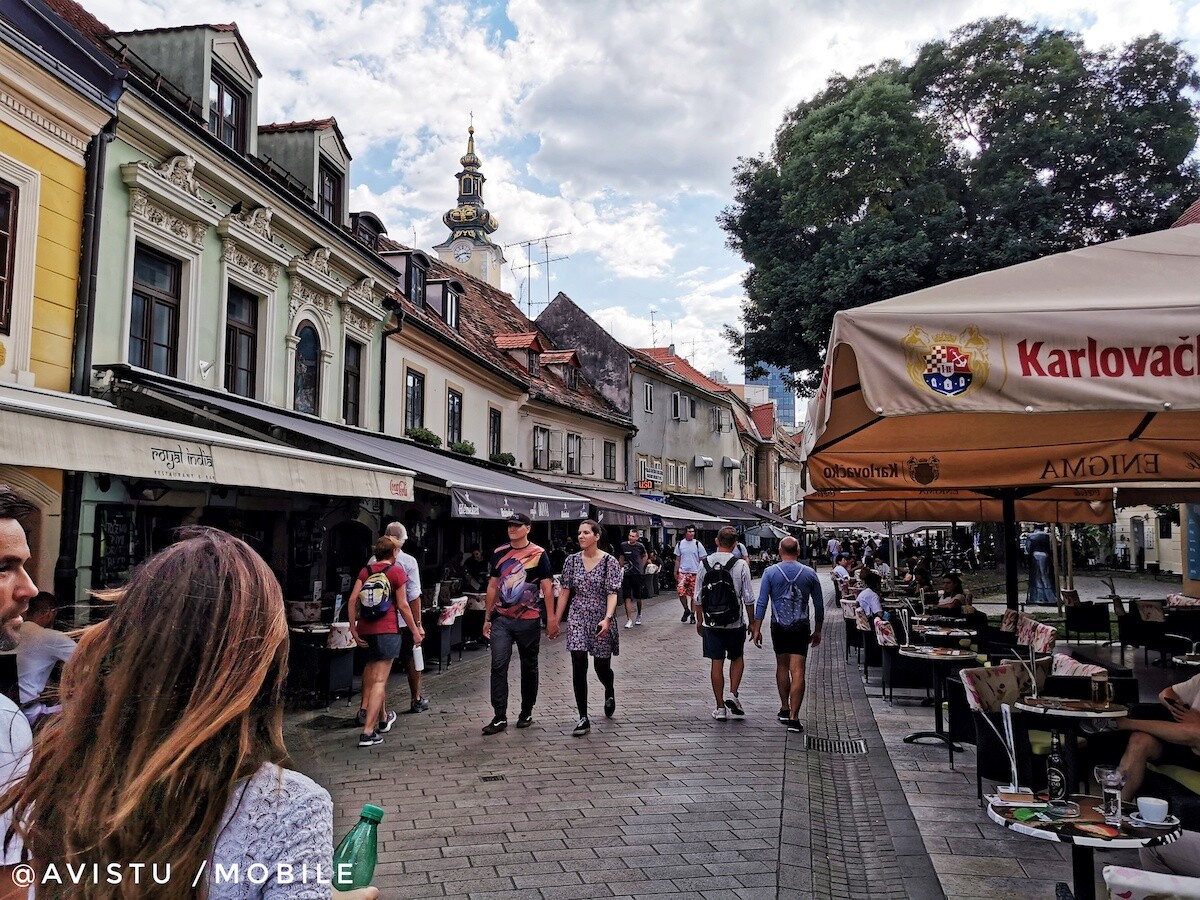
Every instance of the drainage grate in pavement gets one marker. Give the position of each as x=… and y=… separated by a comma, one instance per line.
x=828, y=745
x=494, y=777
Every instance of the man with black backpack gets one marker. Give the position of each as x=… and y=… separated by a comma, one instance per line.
x=723, y=591
x=789, y=585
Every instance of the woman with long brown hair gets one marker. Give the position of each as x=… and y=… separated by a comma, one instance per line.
x=169, y=748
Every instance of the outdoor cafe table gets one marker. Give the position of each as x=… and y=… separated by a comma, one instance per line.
x=941, y=634
x=1085, y=833
x=1070, y=714
x=938, y=658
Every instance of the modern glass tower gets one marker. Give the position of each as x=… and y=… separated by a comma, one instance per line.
x=777, y=390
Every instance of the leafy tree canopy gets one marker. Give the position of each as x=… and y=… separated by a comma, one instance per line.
x=1002, y=144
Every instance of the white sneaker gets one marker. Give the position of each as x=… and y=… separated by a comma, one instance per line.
x=629, y=623
x=638, y=621
x=719, y=714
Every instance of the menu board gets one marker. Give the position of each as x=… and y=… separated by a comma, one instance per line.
x=115, y=538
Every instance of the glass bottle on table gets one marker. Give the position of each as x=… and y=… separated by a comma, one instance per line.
x=1111, y=780
x=1056, y=770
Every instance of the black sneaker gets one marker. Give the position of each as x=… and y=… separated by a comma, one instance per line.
x=498, y=724
x=418, y=705
x=360, y=720
x=684, y=617
x=794, y=726
x=370, y=740
x=524, y=720
x=734, y=706
x=582, y=727
x=692, y=619
x=386, y=725
x=610, y=706
x=783, y=715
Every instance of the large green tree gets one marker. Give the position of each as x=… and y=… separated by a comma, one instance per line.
x=1002, y=144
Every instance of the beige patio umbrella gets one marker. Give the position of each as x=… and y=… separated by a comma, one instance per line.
x=1082, y=505
x=1079, y=368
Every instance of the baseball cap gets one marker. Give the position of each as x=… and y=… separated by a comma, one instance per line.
x=518, y=519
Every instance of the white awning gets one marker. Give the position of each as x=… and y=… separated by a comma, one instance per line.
x=702, y=462
x=60, y=431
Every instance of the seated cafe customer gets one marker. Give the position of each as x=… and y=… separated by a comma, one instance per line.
x=39, y=649
x=955, y=597
x=869, y=600
x=1174, y=743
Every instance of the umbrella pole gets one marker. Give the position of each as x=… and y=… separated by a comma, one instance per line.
x=1008, y=503
x=1059, y=574
x=1070, y=559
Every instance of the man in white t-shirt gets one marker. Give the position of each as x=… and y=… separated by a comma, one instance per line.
x=833, y=547
x=688, y=555
x=725, y=639
x=1153, y=741
x=16, y=590
x=39, y=649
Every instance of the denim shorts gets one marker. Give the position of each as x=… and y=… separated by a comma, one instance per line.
x=724, y=643
x=382, y=647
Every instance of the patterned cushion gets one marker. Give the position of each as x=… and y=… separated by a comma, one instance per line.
x=1151, y=611
x=885, y=634
x=1026, y=624
x=1138, y=884
x=1065, y=665
x=1044, y=637
x=1182, y=600
x=849, y=609
x=860, y=620
x=1009, y=622
x=988, y=688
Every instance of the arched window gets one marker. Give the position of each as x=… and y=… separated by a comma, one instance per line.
x=307, y=389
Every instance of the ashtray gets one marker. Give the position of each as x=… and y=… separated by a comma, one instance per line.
x=1062, y=809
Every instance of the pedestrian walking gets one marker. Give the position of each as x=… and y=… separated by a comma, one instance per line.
x=379, y=613
x=789, y=586
x=688, y=554
x=591, y=579
x=723, y=591
x=520, y=586
x=633, y=563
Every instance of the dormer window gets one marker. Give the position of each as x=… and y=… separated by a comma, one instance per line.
x=416, y=284
x=533, y=368
x=450, y=313
x=226, y=111
x=572, y=377
x=329, y=193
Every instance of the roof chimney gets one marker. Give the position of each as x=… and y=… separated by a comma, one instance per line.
x=671, y=349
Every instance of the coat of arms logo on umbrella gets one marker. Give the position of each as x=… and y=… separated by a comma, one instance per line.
x=946, y=363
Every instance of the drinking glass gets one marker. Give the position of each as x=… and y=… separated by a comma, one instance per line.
x=1111, y=780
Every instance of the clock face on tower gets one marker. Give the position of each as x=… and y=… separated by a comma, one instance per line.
x=461, y=251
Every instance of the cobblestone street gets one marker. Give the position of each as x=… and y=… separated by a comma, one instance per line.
x=661, y=799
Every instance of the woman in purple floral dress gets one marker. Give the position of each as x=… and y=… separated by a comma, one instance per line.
x=592, y=578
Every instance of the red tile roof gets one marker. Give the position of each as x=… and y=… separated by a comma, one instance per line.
x=559, y=358
x=664, y=357
x=80, y=19
x=1190, y=216
x=310, y=125
x=764, y=420
x=523, y=340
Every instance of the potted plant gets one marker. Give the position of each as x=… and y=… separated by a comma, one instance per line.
x=423, y=436
x=503, y=459
x=466, y=448
x=555, y=466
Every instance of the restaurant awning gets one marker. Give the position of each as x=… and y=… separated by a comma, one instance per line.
x=58, y=431
x=711, y=506
x=631, y=509
x=1167, y=495
x=477, y=492
x=1082, y=505
x=764, y=515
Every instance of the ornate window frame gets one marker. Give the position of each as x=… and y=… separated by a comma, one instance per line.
x=362, y=313
x=18, y=343
x=312, y=293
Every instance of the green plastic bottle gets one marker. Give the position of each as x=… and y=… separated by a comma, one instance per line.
x=354, y=858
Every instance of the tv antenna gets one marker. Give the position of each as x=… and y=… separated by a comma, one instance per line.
x=653, y=328
x=528, y=246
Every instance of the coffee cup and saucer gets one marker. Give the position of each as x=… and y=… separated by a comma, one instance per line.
x=1152, y=813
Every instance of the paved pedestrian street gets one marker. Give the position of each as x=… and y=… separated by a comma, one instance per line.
x=661, y=799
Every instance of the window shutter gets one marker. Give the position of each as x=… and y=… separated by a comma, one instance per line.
x=557, y=441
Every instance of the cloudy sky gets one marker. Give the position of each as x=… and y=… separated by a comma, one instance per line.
x=615, y=123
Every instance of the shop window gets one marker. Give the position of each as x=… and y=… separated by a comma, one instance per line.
x=241, y=342
x=154, y=319
x=306, y=388
x=1164, y=528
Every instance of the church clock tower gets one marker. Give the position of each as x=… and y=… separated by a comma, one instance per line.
x=469, y=246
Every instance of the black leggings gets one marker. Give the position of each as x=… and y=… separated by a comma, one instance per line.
x=604, y=672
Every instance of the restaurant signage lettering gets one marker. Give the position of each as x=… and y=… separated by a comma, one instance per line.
x=1113, y=465
x=470, y=503
x=186, y=462
x=1095, y=361
x=654, y=474
x=645, y=485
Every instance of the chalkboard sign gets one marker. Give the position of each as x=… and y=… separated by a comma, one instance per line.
x=115, y=546
x=1193, y=541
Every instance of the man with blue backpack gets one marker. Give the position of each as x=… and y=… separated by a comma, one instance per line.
x=723, y=591
x=789, y=586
